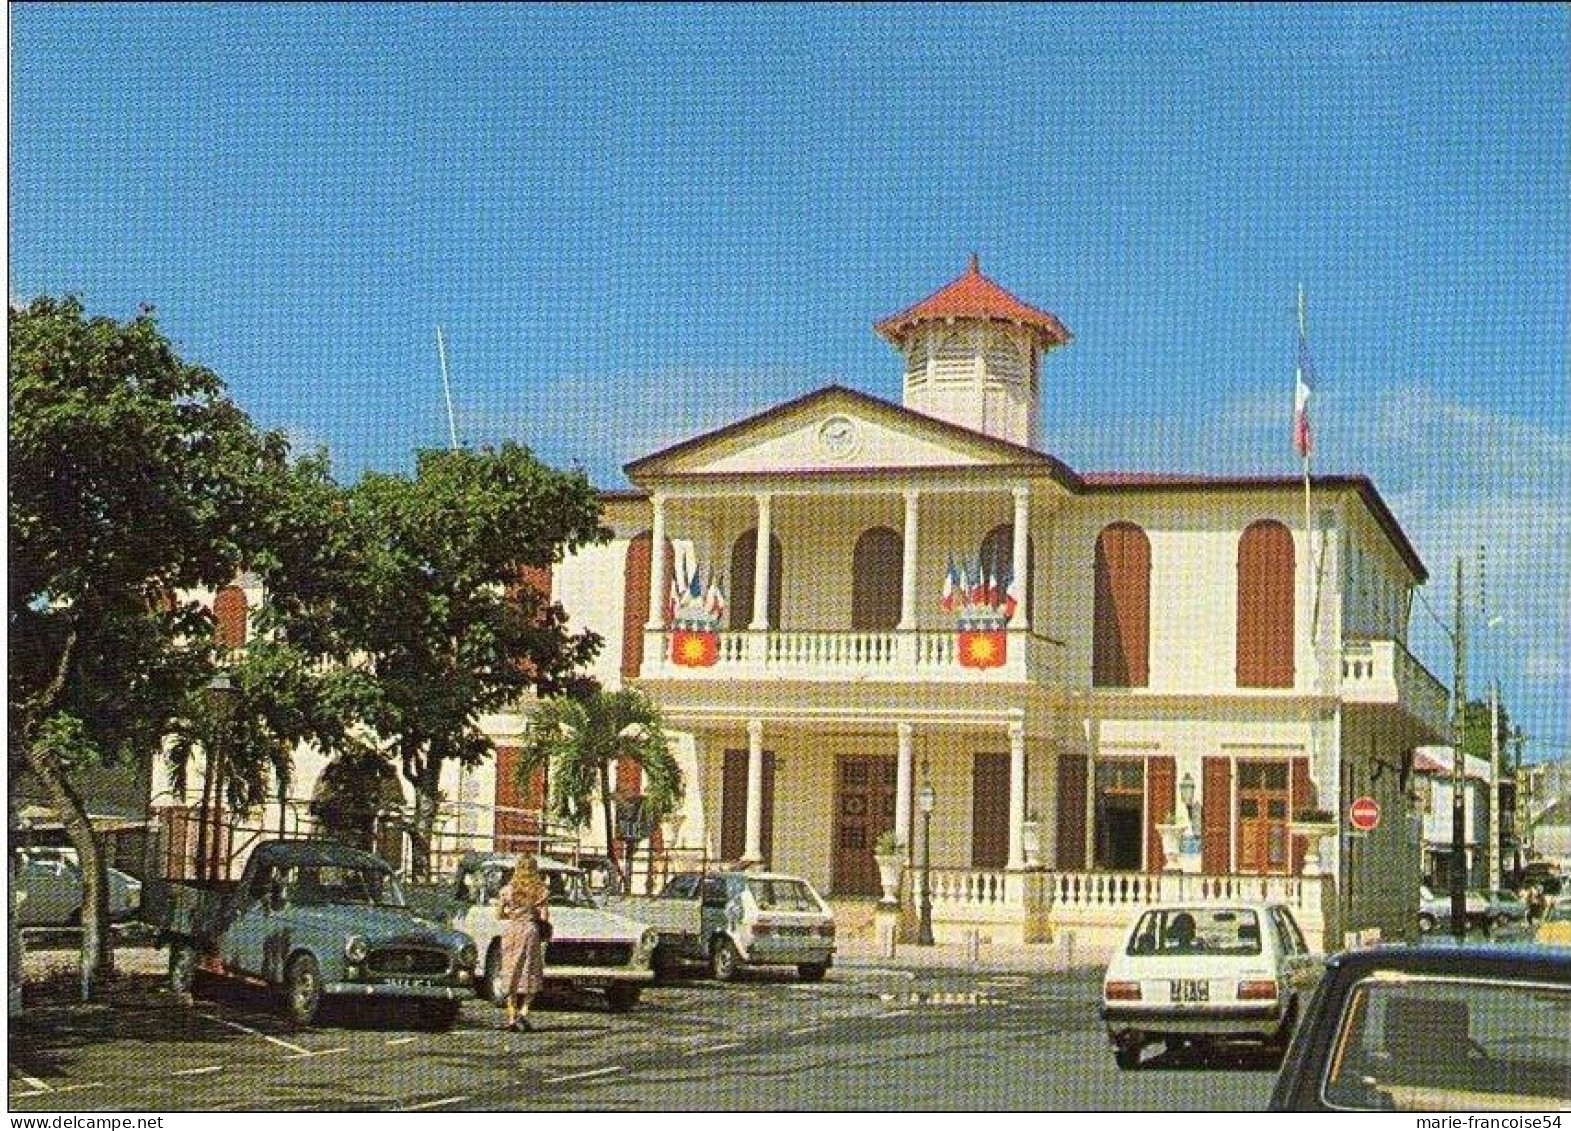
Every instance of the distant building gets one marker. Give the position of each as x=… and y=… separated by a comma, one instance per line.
x=1437, y=787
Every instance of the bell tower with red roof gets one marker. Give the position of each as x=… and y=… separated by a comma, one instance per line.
x=973, y=356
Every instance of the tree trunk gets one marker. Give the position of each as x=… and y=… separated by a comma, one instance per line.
x=427, y=781
x=624, y=875
x=97, y=957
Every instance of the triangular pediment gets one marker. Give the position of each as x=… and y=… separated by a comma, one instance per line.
x=834, y=430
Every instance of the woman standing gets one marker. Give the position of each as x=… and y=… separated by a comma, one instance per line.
x=523, y=910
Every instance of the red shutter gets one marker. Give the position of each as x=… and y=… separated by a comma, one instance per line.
x=1216, y=817
x=1264, y=653
x=1121, y=639
x=635, y=603
x=1161, y=775
x=1071, y=813
x=229, y=613
x=733, y=806
x=1301, y=797
x=767, y=838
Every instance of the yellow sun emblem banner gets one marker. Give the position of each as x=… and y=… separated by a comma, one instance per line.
x=983, y=649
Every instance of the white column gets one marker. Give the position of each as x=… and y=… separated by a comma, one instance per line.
x=1022, y=557
x=761, y=567
x=908, y=564
x=903, y=786
x=753, y=853
x=1017, y=795
x=658, y=582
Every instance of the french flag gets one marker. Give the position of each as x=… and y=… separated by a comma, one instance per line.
x=947, y=601
x=1303, y=441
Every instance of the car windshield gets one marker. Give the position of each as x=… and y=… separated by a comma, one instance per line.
x=1197, y=930
x=567, y=888
x=1443, y=1043
x=783, y=895
x=320, y=884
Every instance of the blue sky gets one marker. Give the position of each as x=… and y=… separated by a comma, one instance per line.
x=635, y=223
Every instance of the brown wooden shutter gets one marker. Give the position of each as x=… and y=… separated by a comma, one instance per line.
x=990, y=810
x=733, y=806
x=1161, y=775
x=1121, y=640
x=876, y=580
x=517, y=824
x=635, y=603
x=1216, y=817
x=1265, y=606
x=1301, y=797
x=1071, y=813
x=229, y=613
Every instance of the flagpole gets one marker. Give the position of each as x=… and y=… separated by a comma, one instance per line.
x=1309, y=533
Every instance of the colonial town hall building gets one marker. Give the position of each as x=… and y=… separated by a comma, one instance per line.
x=1122, y=686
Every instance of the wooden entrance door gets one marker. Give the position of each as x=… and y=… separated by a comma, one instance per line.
x=864, y=808
x=1262, y=817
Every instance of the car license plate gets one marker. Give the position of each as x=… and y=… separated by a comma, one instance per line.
x=1191, y=989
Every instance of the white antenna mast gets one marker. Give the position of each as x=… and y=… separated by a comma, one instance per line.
x=447, y=390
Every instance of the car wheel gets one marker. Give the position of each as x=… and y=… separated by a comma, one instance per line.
x=619, y=999
x=1127, y=1055
x=439, y=1016
x=303, y=990
x=1426, y=922
x=812, y=971
x=491, y=985
x=182, y=970
x=724, y=962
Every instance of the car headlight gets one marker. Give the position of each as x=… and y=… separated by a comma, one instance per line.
x=356, y=948
x=468, y=956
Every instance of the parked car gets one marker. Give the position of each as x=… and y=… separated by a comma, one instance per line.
x=1555, y=929
x=590, y=947
x=745, y=919
x=1434, y=1028
x=1190, y=975
x=49, y=884
x=313, y=919
x=1434, y=910
x=1506, y=907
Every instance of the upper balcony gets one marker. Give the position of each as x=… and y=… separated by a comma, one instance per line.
x=1383, y=673
x=895, y=656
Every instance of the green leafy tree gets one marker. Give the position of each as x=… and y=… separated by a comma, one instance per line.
x=1475, y=730
x=131, y=478
x=580, y=739
x=448, y=631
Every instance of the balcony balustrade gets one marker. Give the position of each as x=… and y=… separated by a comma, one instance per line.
x=1383, y=672
x=896, y=656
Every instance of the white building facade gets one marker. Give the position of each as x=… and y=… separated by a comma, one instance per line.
x=1120, y=686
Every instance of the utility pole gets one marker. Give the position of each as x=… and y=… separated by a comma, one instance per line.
x=1459, y=769
x=1494, y=787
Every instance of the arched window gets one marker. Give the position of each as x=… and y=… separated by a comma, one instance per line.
x=1265, y=606
x=635, y=598
x=1121, y=645
x=229, y=611
x=998, y=554
x=744, y=554
x=876, y=580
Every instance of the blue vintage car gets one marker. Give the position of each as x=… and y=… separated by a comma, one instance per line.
x=313, y=919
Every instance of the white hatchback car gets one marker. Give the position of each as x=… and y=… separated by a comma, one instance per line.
x=1194, y=975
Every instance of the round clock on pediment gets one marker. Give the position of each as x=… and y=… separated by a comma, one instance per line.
x=839, y=437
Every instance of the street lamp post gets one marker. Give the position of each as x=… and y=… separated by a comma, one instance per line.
x=927, y=800
x=220, y=694
x=1459, y=772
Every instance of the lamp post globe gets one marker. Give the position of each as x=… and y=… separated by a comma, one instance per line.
x=927, y=801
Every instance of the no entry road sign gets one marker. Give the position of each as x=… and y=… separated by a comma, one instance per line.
x=1364, y=814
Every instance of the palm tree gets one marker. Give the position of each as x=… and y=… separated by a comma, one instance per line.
x=579, y=739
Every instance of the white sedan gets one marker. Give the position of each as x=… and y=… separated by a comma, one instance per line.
x=1193, y=975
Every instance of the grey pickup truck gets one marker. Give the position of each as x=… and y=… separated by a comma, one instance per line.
x=310, y=920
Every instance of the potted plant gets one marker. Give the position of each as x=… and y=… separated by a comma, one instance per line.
x=889, y=854
x=1172, y=831
x=1314, y=825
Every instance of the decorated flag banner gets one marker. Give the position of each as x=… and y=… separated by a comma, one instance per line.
x=1303, y=440
x=981, y=596
x=698, y=608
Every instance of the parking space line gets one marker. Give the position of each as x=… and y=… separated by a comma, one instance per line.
x=279, y=1041
x=433, y=1103
x=199, y=1071
x=803, y=1029
x=317, y=1052
x=47, y=1091
x=32, y=1081
x=606, y=1071
x=401, y=1040
x=715, y=1048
